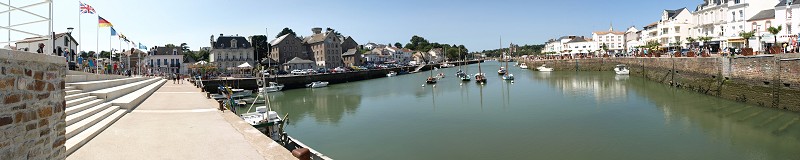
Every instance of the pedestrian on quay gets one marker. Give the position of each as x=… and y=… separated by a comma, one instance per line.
x=174, y=78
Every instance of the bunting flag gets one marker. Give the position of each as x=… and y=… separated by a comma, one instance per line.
x=142, y=46
x=85, y=8
x=121, y=36
x=103, y=22
x=113, y=32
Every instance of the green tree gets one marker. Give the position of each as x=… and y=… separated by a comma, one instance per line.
x=105, y=54
x=451, y=53
x=691, y=41
x=398, y=45
x=170, y=45
x=260, y=46
x=285, y=31
x=747, y=36
x=92, y=53
x=202, y=55
x=705, y=41
x=83, y=54
x=774, y=31
x=604, y=47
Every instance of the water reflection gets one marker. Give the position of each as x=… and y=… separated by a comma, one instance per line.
x=598, y=87
x=325, y=105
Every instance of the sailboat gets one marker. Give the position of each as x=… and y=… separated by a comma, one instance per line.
x=508, y=75
x=270, y=86
x=264, y=118
x=431, y=79
x=480, y=77
x=502, y=70
x=464, y=76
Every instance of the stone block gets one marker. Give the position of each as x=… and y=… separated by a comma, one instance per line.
x=38, y=75
x=6, y=121
x=13, y=98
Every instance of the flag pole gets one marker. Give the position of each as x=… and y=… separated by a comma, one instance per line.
x=97, y=47
x=80, y=38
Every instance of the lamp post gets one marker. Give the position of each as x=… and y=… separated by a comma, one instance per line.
x=69, y=45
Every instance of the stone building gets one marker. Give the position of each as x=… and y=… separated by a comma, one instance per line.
x=348, y=43
x=352, y=58
x=287, y=47
x=230, y=51
x=326, y=48
x=299, y=63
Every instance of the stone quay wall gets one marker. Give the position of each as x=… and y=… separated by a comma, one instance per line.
x=767, y=81
x=32, y=124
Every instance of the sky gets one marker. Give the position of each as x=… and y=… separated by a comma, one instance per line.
x=479, y=25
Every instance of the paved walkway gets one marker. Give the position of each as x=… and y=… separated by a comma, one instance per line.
x=178, y=122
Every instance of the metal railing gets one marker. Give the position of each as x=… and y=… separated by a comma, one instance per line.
x=23, y=28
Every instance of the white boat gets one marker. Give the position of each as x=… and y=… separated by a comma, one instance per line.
x=508, y=76
x=440, y=76
x=621, y=69
x=265, y=121
x=502, y=71
x=523, y=66
x=544, y=68
x=273, y=87
x=317, y=84
x=447, y=65
x=391, y=74
x=252, y=100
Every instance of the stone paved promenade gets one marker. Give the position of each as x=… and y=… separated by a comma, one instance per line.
x=178, y=122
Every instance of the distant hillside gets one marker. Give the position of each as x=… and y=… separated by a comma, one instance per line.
x=521, y=50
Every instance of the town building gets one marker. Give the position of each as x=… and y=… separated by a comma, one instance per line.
x=633, y=39
x=673, y=28
x=786, y=16
x=722, y=21
x=164, y=60
x=299, y=64
x=287, y=47
x=352, y=57
x=759, y=24
x=325, y=47
x=436, y=55
x=558, y=46
x=614, y=40
x=228, y=52
x=582, y=46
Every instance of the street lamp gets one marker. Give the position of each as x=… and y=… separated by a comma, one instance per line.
x=69, y=44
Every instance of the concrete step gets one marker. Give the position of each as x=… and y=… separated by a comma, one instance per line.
x=82, y=106
x=73, y=77
x=72, y=91
x=69, y=88
x=73, y=118
x=78, y=140
x=134, y=98
x=101, y=84
x=78, y=101
x=75, y=96
x=119, y=91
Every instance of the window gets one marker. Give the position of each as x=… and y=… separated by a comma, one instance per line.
x=741, y=15
x=767, y=25
x=233, y=43
x=66, y=41
x=174, y=51
x=733, y=18
x=737, y=1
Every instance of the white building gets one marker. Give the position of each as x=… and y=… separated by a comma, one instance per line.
x=164, y=60
x=370, y=46
x=673, y=28
x=759, y=24
x=64, y=42
x=436, y=55
x=615, y=41
x=299, y=63
x=633, y=39
x=582, y=46
x=724, y=20
x=231, y=51
x=558, y=46
x=786, y=16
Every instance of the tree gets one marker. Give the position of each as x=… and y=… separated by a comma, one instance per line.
x=747, y=36
x=604, y=47
x=260, y=46
x=170, y=46
x=678, y=43
x=92, y=53
x=774, y=31
x=285, y=31
x=105, y=54
x=691, y=41
x=202, y=55
x=705, y=41
x=451, y=53
x=398, y=45
x=83, y=54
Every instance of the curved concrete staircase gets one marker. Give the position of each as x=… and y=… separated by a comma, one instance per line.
x=95, y=102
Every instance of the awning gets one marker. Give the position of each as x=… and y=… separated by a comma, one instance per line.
x=245, y=65
x=736, y=40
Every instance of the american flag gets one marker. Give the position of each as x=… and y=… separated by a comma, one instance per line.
x=85, y=8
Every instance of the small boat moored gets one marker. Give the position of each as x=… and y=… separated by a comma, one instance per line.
x=391, y=74
x=430, y=80
x=544, y=68
x=621, y=69
x=523, y=66
x=317, y=84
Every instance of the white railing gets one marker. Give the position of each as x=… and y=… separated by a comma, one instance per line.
x=25, y=27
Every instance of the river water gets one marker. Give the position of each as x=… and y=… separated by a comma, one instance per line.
x=558, y=115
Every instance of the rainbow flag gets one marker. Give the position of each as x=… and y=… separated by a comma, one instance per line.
x=103, y=22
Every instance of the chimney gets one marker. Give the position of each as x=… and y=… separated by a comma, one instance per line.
x=220, y=35
x=316, y=30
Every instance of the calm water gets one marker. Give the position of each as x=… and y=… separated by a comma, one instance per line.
x=559, y=115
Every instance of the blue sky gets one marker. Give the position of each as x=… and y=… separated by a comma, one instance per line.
x=476, y=24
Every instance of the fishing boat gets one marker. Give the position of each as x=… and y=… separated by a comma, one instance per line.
x=464, y=76
x=430, y=79
x=317, y=84
x=621, y=69
x=544, y=68
x=391, y=74
x=440, y=75
x=523, y=66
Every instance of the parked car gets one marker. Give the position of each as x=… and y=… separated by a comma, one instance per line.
x=299, y=72
x=339, y=70
x=311, y=71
